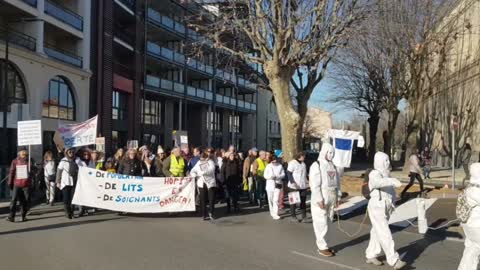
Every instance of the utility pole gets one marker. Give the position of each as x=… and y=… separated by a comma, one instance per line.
x=455, y=125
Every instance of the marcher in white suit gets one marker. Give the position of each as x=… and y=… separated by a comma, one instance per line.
x=324, y=184
x=380, y=206
x=274, y=174
x=471, y=228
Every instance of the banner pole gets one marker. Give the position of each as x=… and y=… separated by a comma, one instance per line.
x=29, y=158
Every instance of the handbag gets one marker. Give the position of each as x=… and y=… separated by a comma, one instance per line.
x=51, y=178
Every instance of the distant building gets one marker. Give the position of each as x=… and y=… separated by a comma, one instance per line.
x=268, y=123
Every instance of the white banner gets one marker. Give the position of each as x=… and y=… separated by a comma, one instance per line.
x=29, y=132
x=134, y=194
x=80, y=134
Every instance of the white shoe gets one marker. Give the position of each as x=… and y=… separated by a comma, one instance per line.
x=399, y=265
x=276, y=218
x=374, y=261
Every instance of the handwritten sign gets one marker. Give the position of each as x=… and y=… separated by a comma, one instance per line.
x=134, y=194
x=29, y=132
x=81, y=134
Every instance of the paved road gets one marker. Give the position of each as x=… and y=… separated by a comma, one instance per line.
x=250, y=241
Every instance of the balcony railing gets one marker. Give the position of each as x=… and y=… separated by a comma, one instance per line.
x=63, y=14
x=177, y=57
x=19, y=39
x=164, y=21
x=62, y=55
x=158, y=83
x=129, y=3
x=124, y=35
x=32, y=3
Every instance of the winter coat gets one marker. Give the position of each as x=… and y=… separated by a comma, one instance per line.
x=21, y=181
x=149, y=172
x=415, y=164
x=132, y=167
x=231, y=172
x=159, y=167
x=204, y=172
x=247, y=166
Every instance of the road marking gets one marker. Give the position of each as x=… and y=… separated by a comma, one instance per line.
x=324, y=261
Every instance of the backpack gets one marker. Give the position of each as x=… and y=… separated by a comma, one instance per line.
x=464, y=209
x=365, y=187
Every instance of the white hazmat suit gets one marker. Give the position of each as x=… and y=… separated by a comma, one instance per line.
x=324, y=185
x=471, y=253
x=274, y=174
x=380, y=206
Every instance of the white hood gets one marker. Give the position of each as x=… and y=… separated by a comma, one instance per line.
x=381, y=163
x=327, y=148
x=475, y=173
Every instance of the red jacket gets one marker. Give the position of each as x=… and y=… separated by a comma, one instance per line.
x=12, y=177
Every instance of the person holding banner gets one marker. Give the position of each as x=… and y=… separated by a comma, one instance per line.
x=118, y=158
x=204, y=172
x=19, y=181
x=159, y=159
x=67, y=173
x=131, y=165
x=174, y=165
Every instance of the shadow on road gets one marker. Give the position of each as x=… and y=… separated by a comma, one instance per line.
x=57, y=226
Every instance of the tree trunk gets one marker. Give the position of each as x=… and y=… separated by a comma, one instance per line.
x=373, y=121
x=392, y=124
x=290, y=120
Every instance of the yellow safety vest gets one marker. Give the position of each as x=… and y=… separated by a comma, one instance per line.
x=261, y=167
x=177, y=167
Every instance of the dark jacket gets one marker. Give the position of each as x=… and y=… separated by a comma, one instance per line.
x=231, y=172
x=132, y=167
x=12, y=176
x=192, y=162
x=146, y=172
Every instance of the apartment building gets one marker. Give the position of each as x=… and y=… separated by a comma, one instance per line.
x=45, y=65
x=148, y=82
x=267, y=122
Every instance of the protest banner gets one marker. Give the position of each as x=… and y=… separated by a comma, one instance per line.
x=100, y=144
x=29, y=132
x=134, y=194
x=81, y=134
x=133, y=144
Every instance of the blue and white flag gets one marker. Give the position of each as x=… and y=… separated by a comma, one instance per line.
x=343, y=144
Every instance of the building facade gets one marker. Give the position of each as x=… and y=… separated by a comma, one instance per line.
x=45, y=66
x=268, y=124
x=148, y=80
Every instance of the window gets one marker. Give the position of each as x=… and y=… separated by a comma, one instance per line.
x=152, y=112
x=234, y=123
x=119, y=106
x=15, y=85
x=59, y=102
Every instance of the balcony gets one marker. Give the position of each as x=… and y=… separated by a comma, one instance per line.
x=32, y=3
x=163, y=21
x=166, y=85
x=61, y=13
x=19, y=39
x=129, y=3
x=124, y=35
x=178, y=58
x=225, y=76
x=63, y=56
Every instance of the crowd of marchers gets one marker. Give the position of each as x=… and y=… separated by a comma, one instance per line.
x=265, y=177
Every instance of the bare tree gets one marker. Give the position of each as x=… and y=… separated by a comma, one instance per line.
x=415, y=31
x=293, y=40
x=362, y=75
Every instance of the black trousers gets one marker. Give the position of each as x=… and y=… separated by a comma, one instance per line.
x=233, y=194
x=414, y=176
x=204, y=192
x=21, y=195
x=67, y=194
x=303, y=203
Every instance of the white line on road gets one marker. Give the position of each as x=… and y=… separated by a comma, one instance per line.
x=324, y=261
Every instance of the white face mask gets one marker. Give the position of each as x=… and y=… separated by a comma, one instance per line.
x=329, y=156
